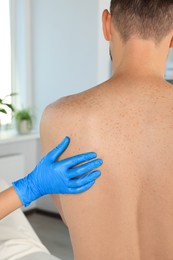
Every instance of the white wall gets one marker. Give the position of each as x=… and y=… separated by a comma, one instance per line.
x=104, y=61
x=65, y=48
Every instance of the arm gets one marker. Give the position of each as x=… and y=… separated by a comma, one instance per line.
x=58, y=120
x=9, y=201
x=47, y=139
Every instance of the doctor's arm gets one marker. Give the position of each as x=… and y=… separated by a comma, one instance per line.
x=9, y=202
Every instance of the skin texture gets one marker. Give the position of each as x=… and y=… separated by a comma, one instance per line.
x=128, y=121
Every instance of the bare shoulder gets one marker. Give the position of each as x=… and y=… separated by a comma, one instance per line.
x=73, y=101
x=65, y=109
x=56, y=122
x=71, y=107
x=67, y=116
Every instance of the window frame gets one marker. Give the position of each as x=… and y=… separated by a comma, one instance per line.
x=21, y=34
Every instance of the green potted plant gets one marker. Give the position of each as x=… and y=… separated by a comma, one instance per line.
x=24, y=121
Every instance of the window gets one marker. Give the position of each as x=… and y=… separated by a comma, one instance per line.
x=5, y=57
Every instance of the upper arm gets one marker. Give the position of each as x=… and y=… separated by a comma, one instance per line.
x=65, y=118
x=59, y=120
x=52, y=131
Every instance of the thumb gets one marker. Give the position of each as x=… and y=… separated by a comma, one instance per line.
x=57, y=151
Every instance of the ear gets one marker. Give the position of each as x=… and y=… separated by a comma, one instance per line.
x=106, y=22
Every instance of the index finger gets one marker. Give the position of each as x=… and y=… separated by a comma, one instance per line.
x=59, y=149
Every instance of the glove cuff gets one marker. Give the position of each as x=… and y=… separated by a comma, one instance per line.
x=25, y=191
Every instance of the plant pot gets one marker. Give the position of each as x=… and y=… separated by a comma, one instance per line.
x=24, y=127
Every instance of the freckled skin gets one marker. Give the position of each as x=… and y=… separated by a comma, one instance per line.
x=128, y=214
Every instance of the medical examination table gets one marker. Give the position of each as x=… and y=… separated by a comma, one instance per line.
x=18, y=239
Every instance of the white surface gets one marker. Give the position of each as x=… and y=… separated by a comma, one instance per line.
x=39, y=256
x=17, y=237
x=11, y=136
x=18, y=150
x=12, y=166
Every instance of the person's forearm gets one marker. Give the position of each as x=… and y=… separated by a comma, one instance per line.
x=9, y=201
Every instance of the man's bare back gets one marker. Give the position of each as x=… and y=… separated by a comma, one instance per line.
x=128, y=121
x=128, y=214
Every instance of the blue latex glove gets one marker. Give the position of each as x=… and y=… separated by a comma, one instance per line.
x=52, y=177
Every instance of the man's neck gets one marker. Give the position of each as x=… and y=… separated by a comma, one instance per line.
x=141, y=58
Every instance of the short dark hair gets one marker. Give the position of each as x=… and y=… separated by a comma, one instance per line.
x=148, y=19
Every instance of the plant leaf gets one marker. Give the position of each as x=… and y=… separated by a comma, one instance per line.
x=10, y=106
x=11, y=95
x=3, y=111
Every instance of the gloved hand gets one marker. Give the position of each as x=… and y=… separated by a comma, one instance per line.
x=51, y=177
